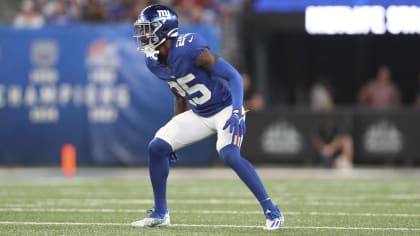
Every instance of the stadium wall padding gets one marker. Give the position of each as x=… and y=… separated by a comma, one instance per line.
x=389, y=137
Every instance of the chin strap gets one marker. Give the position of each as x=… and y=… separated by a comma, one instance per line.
x=150, y=51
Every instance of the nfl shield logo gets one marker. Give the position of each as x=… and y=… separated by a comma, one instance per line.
x=44, y=52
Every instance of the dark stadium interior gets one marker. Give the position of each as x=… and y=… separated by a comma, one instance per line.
x=296, y=59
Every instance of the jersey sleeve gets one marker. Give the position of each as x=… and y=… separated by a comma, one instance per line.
x=195, y=44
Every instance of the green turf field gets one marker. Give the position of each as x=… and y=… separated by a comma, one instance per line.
x=210, y=202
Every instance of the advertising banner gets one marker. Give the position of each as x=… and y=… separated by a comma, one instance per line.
x=387, y=135
x=84, y=85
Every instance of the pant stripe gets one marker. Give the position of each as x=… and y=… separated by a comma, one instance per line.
x=237, y=139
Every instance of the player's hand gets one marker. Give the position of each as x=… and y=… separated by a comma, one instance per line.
x=236, y=123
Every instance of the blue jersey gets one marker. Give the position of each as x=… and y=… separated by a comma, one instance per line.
x=206, y=93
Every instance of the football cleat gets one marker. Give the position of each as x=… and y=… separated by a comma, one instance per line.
x=153, y=219
x=274, y=219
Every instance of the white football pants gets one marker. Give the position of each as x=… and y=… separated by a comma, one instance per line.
x=187, y=128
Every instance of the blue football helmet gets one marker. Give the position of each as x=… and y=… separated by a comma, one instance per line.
x=155, y=24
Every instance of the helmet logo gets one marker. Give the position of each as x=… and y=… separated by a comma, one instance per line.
x=164, y=13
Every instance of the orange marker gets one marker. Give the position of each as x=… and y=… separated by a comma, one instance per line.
x=68, y=160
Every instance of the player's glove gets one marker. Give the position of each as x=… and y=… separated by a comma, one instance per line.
x=236, y=123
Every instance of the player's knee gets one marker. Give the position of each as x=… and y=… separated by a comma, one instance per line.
x=159, y=148
x=229, y=154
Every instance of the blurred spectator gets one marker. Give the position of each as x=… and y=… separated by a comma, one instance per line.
x=94, y=11
x=67, y=11
x=188, y=12
x=334, y=146
x=209, y=13
x=46, y=7
x=119, y=10
x=196, y=11
x=380, y=92
x=62, y=14
x=137, y=8
x=28, y=17
x=321, y=95
x=252, y=100
x=417, y=99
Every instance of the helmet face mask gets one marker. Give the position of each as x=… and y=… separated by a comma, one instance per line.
x=154, y=25
x=146, y=37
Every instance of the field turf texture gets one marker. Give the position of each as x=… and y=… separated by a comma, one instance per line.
x=210, y=201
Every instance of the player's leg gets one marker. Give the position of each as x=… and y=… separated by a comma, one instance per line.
x=343, y=145
x=228, y=146
x=159, y=154
x=180, y=131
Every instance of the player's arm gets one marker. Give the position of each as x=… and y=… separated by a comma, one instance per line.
x=218, y=66
x=180, y=104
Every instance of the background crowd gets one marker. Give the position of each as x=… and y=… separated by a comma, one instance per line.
x=35, y=13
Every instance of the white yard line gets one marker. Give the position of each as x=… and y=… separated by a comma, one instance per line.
x=206, y=212
x=208, y=226
x=208, y=201
x=313, y=197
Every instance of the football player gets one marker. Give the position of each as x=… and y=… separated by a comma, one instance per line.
x=204, y=105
